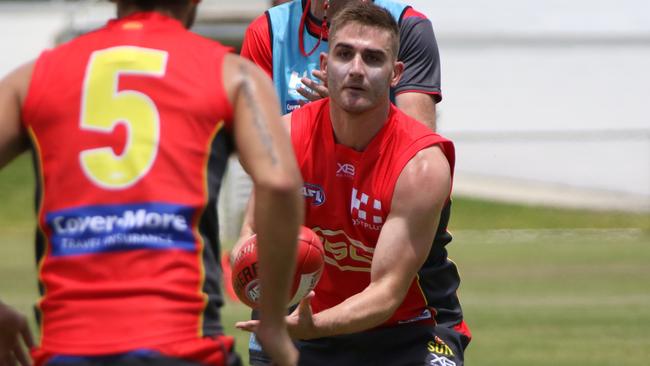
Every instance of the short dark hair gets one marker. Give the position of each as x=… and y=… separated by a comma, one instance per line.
x=149, y=5
x=368, y=14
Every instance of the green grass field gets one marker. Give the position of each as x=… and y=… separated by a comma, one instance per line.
x=540, y=286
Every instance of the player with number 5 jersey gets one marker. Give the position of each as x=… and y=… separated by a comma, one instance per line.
x=131, y=126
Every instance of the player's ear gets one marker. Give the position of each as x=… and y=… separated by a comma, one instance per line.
x=398, y=71
x=323, y=64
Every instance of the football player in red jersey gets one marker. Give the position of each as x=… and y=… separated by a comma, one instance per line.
x=130, y=126
x=382, y=180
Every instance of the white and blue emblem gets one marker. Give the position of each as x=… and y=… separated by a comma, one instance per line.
x=314, y=193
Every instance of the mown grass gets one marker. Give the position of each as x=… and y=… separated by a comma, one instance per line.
x=540, y=285
x=534, y=298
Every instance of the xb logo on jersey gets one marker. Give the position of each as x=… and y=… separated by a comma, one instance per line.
x=364, y=213
x=345, y=170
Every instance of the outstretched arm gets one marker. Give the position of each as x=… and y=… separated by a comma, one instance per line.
x=265, y=152
x=409, y=230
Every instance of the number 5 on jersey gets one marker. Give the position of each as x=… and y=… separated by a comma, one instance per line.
x=103, y=106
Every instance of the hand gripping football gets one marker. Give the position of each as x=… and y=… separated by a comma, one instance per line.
x=309, y=266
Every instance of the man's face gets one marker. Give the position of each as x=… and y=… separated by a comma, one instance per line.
x=360, y=67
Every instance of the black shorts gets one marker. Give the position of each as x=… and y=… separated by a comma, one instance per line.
x=403, y=345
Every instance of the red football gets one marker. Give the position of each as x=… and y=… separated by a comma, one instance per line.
x=309, y=266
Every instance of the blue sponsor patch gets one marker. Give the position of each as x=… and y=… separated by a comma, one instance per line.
x=292, y=105
x=313, y=192
x=97, y=229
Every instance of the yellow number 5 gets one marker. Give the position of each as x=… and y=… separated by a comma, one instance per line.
x=104, y=106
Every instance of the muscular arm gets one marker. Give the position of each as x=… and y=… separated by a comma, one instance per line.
x=13, y=89
x=265, y=152
x=404, y=243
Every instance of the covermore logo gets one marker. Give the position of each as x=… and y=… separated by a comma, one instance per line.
x=93, y=229
x=129, y=219
x=292, y=105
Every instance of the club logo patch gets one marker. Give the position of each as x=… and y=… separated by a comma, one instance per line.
x=313, y=193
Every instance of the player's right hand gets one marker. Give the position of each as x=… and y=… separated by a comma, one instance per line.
x=301, y=321
x=277, y=344
x=14, y=333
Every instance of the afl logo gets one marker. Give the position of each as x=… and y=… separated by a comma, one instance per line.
x=314, y=193
x=253, y=291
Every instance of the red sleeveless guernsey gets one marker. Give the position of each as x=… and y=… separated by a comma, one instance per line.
x=127, y=125
x=348, y=198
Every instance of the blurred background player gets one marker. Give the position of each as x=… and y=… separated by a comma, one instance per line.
x=383, y=179
x=287, y=40
x=130, y=127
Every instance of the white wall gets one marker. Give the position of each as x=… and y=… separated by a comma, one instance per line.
x=549, y=92
x=19, y=42
x=530, y=17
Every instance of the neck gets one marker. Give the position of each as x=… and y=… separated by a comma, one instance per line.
x=124, y=10
x=356, y=130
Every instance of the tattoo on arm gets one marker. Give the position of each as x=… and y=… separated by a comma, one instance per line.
x=258, y=119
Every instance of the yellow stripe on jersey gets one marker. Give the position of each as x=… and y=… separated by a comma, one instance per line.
x=40, y=222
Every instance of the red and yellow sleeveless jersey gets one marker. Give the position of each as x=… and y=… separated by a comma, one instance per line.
x=128, y=129
x=348, y=198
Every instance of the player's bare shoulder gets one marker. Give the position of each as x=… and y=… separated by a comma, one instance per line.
x=238, y=71
x=13, y=92
x=424, y=181
x=17, y=82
